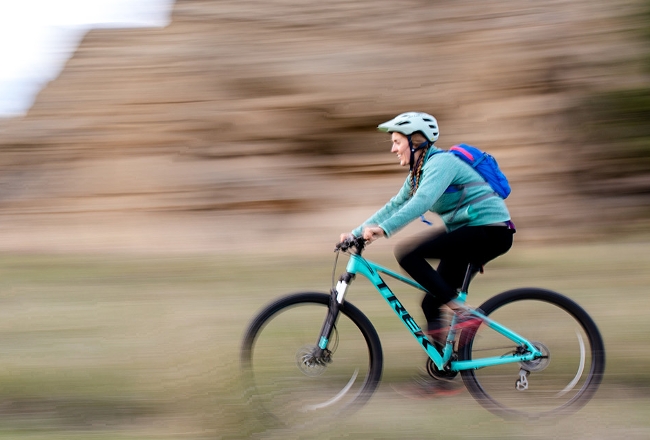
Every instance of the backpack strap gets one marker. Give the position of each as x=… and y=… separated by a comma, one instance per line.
x=462, y=198
x=463, y=187
x=456, y=188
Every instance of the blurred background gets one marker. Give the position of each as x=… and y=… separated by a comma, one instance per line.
x=263, y=114
x=149, y=191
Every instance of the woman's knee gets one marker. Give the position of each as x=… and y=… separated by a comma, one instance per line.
x=419, y=247
x=405, y=252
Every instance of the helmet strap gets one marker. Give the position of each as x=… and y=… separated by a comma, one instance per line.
x=413, y=149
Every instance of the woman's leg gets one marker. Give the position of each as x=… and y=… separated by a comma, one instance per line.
x=455, y=250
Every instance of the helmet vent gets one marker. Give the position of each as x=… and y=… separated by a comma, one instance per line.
x=403, y=122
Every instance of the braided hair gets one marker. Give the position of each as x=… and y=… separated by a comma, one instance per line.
x=423, y=145
x=416, y=173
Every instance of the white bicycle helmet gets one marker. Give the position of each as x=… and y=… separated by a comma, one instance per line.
x=411, y=122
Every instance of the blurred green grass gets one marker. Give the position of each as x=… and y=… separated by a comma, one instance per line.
x=135, y=347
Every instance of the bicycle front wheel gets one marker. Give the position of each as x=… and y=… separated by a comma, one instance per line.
x=282, y=378
x=560, y=382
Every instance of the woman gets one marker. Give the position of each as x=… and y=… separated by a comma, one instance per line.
x=478, y=226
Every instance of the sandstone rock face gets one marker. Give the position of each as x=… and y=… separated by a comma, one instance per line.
x=251, y=125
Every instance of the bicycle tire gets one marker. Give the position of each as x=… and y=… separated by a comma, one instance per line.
x=301, y=395
x=558, y=384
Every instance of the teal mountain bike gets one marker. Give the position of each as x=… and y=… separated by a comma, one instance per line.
x=534, y=353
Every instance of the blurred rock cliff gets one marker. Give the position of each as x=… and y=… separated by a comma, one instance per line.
x=252, y=124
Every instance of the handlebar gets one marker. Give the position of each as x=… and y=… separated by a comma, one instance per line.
x=359, y=243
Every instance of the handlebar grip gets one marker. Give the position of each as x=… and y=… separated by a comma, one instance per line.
x=352, y=241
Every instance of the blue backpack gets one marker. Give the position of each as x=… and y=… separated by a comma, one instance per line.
x=485, y=165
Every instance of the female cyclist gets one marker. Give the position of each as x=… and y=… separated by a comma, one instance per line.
x=477, y=221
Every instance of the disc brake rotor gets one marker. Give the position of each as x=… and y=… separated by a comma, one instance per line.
x=309, y=364
x=538, y=364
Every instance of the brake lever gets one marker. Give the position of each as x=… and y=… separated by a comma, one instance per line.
x=345, y=245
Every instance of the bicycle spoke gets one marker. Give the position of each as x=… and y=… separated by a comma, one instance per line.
x=581, y=368
x=339, y=396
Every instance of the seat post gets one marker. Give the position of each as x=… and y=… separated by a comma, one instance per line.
x=472, y=269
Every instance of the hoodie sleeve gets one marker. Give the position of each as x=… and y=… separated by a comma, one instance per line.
x=435, y=179
x=387, y=210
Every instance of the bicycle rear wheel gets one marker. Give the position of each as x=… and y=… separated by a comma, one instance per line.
x=281, y=377
x=561, y=382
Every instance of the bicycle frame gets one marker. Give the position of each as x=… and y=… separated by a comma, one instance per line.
x=359, y=265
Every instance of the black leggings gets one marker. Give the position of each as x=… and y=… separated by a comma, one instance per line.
x=455, y=250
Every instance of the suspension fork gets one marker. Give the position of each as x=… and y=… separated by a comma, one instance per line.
x=337, y=296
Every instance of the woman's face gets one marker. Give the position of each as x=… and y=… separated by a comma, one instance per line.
x=401, y=148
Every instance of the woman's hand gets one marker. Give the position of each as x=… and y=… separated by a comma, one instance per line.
x=372, y=233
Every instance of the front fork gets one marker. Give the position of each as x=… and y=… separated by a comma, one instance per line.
x=337, y=296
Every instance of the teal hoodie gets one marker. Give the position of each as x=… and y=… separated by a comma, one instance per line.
x=440, y=171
